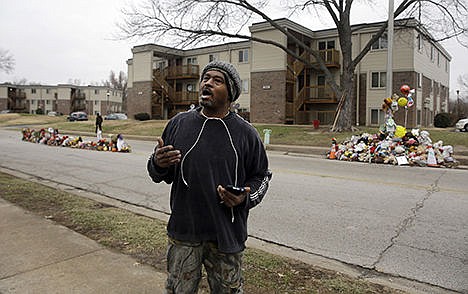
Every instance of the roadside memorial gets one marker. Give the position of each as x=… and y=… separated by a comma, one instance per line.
x=52, y=137
x=394, y=144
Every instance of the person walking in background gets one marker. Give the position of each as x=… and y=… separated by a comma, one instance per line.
x=99, y=126
x=203, y=152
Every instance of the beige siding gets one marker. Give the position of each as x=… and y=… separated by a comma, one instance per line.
x=3, y=91
x=64, y=93
x=130, y=74
x=244, y=69
x=429, y=67
x=142, y=66
x=267, y=57
x=376, y=60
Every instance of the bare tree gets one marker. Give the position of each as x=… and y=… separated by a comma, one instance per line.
x=187, y=23
x=119, y=82
x=76, y=82
x=463, y=82
x=7, y=62
x=22, y=81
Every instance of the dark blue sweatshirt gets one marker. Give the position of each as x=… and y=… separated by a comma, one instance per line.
x=214, y=152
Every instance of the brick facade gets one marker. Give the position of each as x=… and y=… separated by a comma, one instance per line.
x=267, y=97
x=362, y=99
x=3, y=103
x=405, y=78
x=63, y=106
x=139, y=98
x=427, y=111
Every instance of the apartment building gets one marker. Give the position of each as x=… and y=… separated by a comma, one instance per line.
x=63, y=98
x=277, y=88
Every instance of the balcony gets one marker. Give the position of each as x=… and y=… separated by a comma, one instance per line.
x=189, y=71
x=185, y=98
x=78, y=96
x=317, y=94
x=331, y=57
x=20, y=95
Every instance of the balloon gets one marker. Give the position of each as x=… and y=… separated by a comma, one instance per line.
x=405, y=89
x=402, y=102
x=400, y=131
x=410, y=102
x=388, y=101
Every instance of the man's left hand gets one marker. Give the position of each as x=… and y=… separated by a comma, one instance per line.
x=229, y=199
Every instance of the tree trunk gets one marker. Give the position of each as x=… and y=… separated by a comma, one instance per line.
x=344, y=118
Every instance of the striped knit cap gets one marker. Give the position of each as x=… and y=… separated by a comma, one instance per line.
x=231, y=76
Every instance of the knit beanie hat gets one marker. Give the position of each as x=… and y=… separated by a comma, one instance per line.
x=233, y=81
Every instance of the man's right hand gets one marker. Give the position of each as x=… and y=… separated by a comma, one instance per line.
x=165, y=156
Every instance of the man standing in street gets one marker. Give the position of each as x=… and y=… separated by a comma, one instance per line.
x=218, y=168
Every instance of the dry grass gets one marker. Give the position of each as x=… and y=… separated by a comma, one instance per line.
x=281, y=134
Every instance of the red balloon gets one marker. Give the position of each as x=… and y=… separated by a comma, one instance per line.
x=405, y=89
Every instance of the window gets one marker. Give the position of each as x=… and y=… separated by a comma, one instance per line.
x=419, y=80
x=47, y=101
x=326, y=50
x=324, y=45
x=47, y=91
x=432, y=53
x=418, y=117
x=32, y=102
x=438, y=58
x=96, y=91
x=377, y=116
x=420, y=42
x=33, y=91
x=95, y=102
x=379, y=80
x=245, y=86
x=381, y=43
x=244, y=55
x=446, y=65
x=213, y=57
x=192, y=60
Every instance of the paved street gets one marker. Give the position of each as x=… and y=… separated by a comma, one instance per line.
x=407, y=222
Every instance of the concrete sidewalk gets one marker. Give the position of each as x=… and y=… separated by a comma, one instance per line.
x=40, y=256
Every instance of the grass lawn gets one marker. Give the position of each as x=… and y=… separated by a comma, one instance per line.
x=304, y=135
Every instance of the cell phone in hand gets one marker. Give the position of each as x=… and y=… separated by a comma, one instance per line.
x=235, y=190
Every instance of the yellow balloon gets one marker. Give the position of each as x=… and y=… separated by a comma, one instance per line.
x=402, y=102
x=400, y=131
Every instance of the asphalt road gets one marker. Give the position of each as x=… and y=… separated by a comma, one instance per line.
x=408, y=222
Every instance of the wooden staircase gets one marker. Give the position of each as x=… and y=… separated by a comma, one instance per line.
x=162, y=94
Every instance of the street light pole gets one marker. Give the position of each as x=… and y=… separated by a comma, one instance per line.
x=389, y=88
x=107, y=105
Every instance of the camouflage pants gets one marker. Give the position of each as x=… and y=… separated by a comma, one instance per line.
x=184, y=266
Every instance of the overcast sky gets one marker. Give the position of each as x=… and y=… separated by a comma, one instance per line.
x=54, y=41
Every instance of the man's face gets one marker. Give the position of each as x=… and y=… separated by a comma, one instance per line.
x=214, y=92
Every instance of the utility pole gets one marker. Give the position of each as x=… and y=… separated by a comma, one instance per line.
x=107, y=104
x=458, y=104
